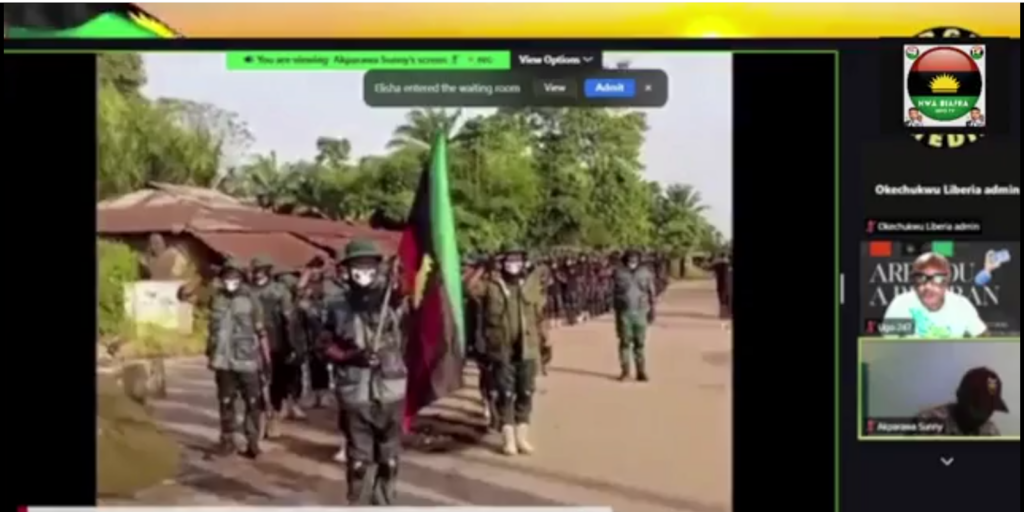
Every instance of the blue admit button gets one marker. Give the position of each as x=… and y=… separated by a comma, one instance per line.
x=609, y=88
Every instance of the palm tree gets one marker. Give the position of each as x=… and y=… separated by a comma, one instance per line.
x=422, y=127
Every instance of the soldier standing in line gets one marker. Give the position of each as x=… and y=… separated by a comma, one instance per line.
x=287, y=352
x=571, y=289
x=310, y=312
x=634, y=310
x=367, y=350
x=235, y=350
x=547, y=354
x=513, y=305
x=472, y=273
x=721, y=266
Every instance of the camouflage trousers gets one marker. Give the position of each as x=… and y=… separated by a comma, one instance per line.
x=631, y=328
x=231, y=386
x=373, y=436
x=515, y=382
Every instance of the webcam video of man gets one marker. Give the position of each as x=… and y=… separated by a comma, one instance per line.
x=958, y=388
x=941, y=290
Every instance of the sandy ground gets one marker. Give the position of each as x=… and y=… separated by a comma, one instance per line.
x=654, y=447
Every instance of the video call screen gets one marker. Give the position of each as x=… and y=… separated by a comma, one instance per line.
x=860, y=193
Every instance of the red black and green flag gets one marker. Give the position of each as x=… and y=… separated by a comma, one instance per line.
x=431, y=274
x=945, y=83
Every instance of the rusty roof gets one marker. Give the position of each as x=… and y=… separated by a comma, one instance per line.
x=239, y=232
x=156, y=194
x=285, y=250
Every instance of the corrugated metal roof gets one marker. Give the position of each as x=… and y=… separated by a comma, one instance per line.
x=234, y=231
x=285, y=250
x=164, y=194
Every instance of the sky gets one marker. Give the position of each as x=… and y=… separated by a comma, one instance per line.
x=689, y=141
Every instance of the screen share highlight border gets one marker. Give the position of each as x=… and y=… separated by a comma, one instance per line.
x=473, y=78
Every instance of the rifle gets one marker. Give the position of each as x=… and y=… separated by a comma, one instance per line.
x=373, y=347
x=265, y=376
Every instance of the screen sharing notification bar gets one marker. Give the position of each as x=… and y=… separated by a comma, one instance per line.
x=519, y=88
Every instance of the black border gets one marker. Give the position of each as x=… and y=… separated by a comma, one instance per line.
x=50, y=103
x=784, y=171
x=784, y=205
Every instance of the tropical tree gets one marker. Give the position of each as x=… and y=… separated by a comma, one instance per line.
x=545, y=177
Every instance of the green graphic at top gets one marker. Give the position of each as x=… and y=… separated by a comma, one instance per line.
x=82, y=21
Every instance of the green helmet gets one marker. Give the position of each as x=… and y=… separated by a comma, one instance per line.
x=510, y=248
x=262, y=262
x=232, y=265
x=357, y=249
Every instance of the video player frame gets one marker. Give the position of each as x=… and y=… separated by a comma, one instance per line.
x=913, y=390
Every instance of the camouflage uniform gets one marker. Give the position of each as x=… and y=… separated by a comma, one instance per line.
x=472, y=273
x=371, y=376
x=234, y=351
x=513, y=309
x=979, y=397
x=634, y=309
x=309, y=317
x=287, y=351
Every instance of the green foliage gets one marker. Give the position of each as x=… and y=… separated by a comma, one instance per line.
x=168, y=140
x=118, y=266
x=544, y=177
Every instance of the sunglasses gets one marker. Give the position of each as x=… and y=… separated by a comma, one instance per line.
x=920, y=279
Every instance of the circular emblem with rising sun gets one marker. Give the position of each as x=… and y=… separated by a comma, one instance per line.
x=945, y=89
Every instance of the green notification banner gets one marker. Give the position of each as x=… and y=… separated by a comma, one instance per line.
x=369, y=60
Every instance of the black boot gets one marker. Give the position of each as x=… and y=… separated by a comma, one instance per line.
x=625, y=375
x=641, y=373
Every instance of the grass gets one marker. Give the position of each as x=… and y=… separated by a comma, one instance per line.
x=132, y=453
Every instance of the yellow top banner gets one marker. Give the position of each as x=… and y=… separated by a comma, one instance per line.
x=578, y=20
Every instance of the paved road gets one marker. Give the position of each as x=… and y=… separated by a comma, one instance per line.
x=656, y=447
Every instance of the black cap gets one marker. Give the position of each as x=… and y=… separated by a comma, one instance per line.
x=983, y=387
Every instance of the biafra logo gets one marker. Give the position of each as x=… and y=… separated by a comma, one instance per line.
x=944, y=83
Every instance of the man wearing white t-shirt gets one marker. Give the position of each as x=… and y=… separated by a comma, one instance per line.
x=935, y=311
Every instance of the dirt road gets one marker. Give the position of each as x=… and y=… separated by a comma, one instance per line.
x=655, y=447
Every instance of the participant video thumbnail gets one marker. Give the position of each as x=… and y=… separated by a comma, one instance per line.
x=942, y=389
x=940, y=289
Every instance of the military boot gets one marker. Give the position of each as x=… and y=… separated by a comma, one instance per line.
x=625, y=374
x=641, y=373
x=523, y=439
x=508, y=436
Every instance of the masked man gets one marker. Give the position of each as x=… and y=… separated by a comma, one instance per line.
x=512, y=304
x=235, y=349
x=635, y=293
x=287, y=351
x=366, y=349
